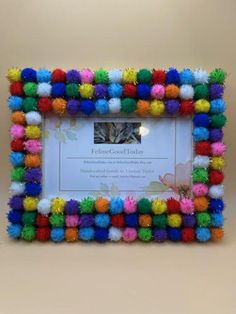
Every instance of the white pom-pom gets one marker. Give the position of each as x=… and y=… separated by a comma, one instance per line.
x=17, y=188
x=201, y=161
x=44, y=206
x=186, y=91
x=44, y=89
x=115, y=76
x=115, y=234
x=114, y=105
x=216, y=191
x=33, y=118
x=200, y=76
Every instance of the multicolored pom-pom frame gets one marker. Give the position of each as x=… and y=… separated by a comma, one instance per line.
x=145, y=93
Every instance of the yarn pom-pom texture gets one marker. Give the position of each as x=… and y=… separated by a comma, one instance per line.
x=194, y=94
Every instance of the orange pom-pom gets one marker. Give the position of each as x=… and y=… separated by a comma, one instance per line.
x=145, y=220
x=71, y=234
x=59, y=106
x=101, y=204
x=200, y=203
x=217, y=234
x=32, y=160
x=143, y=108
x=172, y=91
x=18, y=117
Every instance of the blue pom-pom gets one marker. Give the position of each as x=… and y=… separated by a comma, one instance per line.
x=16, y=159
x=201, y=119
x=216, y=205
x=131, y=220
x=15, y=103
x=217, y=106
x=87, y=106
x=174, y=234
x=217, y=220
x=203, y=234
x=28, y=75
x=58, y=90
x=44, y=76
x=115, y=90
x=86, y=234
x=101, y=234
x=14, y=231
x=143, y=91
x=116, y=205
x=172, y=77
x=57, y=234
x=186, y=77
x=33, y=189
x=15, y=216
x=102, y=220
x=200, y=134
x=102, y=106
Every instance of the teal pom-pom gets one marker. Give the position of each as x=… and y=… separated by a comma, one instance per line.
x=57, y=234
x=115, y=90
x=102, y=106
x=44, y=76
x=116, y=205
x=17, y=159
x=186, y=77
x=203, y=234
x=217, y=106
x=200, y=134
x=15, y=103
x=14, y=231
x=86, y=234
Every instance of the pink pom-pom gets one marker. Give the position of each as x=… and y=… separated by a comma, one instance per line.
x=17, y=131
x=158, y=91
x=86, y=76
x=129, y=234
x=218, y=148
x=186, y=206
x=33, y=146
x=200, y=189
x=72, y=220
x=130, y=205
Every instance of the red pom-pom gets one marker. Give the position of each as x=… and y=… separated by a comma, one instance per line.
x=186, y=107
x=17, y=145
x=16, y=89
x=158, y=77
x=203, y=148
x=58, y=75
x=216, y=177
x=188, y=234
x=42, y=220
x=173, y=206
x=43, y=234
x=45, y=104
x=129, y=90
x=118, y=221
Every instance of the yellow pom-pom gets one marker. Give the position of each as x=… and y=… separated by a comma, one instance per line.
x=14, y=75
x=217, y=163
x=57, y=205
x=33, y=131
x=202, y=105
x=86, y=90
x=130, y=76
x=159, y=206
x=30, y=203
x=174, y=220
x=157, y=107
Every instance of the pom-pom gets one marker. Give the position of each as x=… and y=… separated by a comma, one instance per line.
x=29, y=218
x=172, y=91
x=101, y=205
x=102, y=220
x=101, y=235
x=115, y=234
x=172, y=77
x=16, y=202
x=43, y=76
x=216, y=91
x=100, y=91
x=159, y=221
x=86, y=76
x=17, y=174
x=218, y=148
x=186, y=77
x=58, y=75
x=17, y=145
x=158, y=91
x=58, y=90
x=102, y=106
x=129, y=90
x=200, y=189
x=131, y=220
x=32, y=160
x=203, y=219
x=217, y=76
x=217, y=163
x=73, y=76
x=160, y=235
x=130, y=205
x=159, y=206
x=101, y=76
x=186, y=92
x=202, y=105
x=128, y=105
x=117, y=221
x=172, y=106
x=33, y=146
x=87, y=106
x=72, y=106
x=42, y=220
x=14, y=231
x=57, y=205
x=217, y=106
x=28, y=75
x=201, y=203
x=72, y=90
x=144, y=76
x=158, y=77
x=29, y=104
x=217, y=220
x=200, y=134
x=16, y=89
x=30, y=203
x=201, y=119
x=200, y=76
x=144, y=206
x=145, y=234
x=32, y=131
x=57, y=235
x=142, y=108
x=200, y=175
x=203, y=148
x=45, y=105
x=17, y=188
x=173, y=206
x=71, y=207
x=15, y=103
x=129, y=234
x=57, y=220
x=186, y=206
x=201, y=161
x=174, y=220
x=174, y=234
x=16, y=159
x=59, y=106
x=44, y=90
x=71, y=234
x=216, y=205
x=115, y=90
x=33, y=175
x=186, y=107
x=43, y=234
x=188, y=235
x=17, y=131
x=30, y=89
x=86, y=220
x=201, y=91
x=87, y=205
x=33, y=189
x=188, y=221
x=216, y=191
x=33, y=118
x=216, y=135
x=129, y=76
x=145, y=220
x=114, y=105
x=143, y=91
x=14, y=75
x=216, y=177
x=28, y=233
x=86, y=234
x=116, y=205
x=115, y=76
x=157, y=107
x=18, y=117
x=15, y=216
x=218, y=121
x=217, y=234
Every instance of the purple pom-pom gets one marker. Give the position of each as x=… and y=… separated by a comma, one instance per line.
x=216, y=135
x=189, y=220
x=172, y=106
x=216, y=91
x=100, y=91
x=73, y=76
x=16, y=202
x=33, y=175
x=160, y=235
x=71, y=207
x=86, y=220
x=72, y=106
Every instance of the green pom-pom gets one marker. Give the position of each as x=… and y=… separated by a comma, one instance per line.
x=29, y=218
x=28, y=233
x=159, y=221
x=17, y=174
x=144, y=76
x=72, y=90
x=101, y=76
x=217, y=76
x=203, y=219
x=30, y=89
x=144, y=206
x=57, y=220
x=29, y=104
x=201, y=91
x=218, y=121
x=87, y=205
x=200, y=175
x=145, y=234
x=128, y=105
